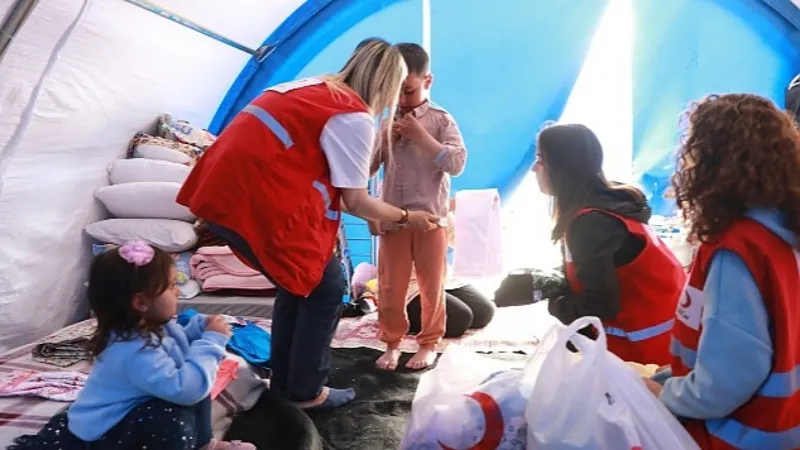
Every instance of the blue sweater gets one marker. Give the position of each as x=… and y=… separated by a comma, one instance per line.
x=734, y=355
x=127, y=373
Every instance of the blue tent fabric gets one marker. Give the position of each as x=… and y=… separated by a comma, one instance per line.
x=503, y=70
x=679, y=57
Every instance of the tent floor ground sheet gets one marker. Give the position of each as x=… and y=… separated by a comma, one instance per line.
x=376, y=420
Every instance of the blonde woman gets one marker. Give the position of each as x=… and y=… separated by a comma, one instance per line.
x=273, y=187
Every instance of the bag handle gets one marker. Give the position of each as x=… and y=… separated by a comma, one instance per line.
x=585, y=345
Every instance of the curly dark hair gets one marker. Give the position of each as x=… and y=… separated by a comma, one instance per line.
x=113, y=283
x=738, y=151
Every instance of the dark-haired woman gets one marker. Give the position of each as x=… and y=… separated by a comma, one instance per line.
x=616, y=268
x=735, y=378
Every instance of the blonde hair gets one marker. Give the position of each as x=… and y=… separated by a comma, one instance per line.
x=375, y=71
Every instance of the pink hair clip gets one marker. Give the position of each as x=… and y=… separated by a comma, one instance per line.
x=138, y=253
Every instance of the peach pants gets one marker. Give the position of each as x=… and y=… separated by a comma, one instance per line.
x=397, y=252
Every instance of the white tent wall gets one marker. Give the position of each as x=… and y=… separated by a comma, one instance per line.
x=119, y=69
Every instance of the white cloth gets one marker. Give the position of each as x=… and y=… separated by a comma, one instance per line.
x=478, y=242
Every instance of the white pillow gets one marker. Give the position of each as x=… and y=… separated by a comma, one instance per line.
x=144, y=200
x=140, y=169
x=171, y=236
x=153, y=151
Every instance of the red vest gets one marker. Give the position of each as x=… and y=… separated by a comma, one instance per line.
x=267, y=179
x=766, y=421
x=649, y=289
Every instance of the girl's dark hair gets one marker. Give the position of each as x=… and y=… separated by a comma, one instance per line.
x=738, y=151
x=573, y=159
x=113, y=282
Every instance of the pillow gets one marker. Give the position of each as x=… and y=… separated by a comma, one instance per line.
x=162, y=153
x=172, y=236
x=182, y=131
x=140, y=169
x=144, y=200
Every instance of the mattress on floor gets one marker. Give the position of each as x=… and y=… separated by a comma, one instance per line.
x=232, y=305
x=27, y=415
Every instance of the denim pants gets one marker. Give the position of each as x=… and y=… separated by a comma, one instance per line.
x=302, y=327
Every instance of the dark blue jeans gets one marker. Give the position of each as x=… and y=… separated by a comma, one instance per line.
x=302, y=327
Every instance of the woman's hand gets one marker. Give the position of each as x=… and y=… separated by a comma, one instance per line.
x=375, y=227
x=423, y=221
x=652, y=386
x=218, y=324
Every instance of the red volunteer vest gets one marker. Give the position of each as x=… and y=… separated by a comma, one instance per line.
x=771, y=419
x=649, y=289
x=267, y=178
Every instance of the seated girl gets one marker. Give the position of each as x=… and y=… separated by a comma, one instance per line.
x=735, y=376
x=151, y=378
x=617, y=269
x=466, y=308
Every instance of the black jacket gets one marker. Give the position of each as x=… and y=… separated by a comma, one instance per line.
x=600, y=243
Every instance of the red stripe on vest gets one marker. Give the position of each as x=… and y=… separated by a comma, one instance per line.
x=650, y=287
x=774, y=267
x=267, y=178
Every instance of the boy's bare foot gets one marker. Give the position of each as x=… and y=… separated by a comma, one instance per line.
x=389, y=359
x=424, y=358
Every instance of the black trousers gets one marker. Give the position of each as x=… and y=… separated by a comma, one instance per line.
x=466, y=309
x=302, y=327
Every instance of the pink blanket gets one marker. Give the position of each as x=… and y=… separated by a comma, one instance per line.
x=217, y=268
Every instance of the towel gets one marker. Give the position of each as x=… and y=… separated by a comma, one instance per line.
x=217, y=268
x=248, y=340
x=478, y=240
x=226, y=373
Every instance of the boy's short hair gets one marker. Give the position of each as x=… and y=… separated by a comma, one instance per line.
x=416, y=58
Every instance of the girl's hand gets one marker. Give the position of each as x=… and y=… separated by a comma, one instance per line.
x=218, y=324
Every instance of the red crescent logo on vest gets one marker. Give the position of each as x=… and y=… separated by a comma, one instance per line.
x=493, y=435
x=688, y=302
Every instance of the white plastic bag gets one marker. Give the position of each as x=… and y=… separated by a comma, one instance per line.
x=593, y=400
x=468, y=401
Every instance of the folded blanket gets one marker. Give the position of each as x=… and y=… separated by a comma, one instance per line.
x=64, y=352
x=217, y=268
x=58, y=386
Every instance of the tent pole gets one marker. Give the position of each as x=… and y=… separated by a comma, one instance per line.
x=12, y=22
x=169, y=15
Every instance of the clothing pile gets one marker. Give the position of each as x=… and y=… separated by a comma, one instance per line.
x=58, y=386
x=249, y=341
x=64, y=352
x=141, y=200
